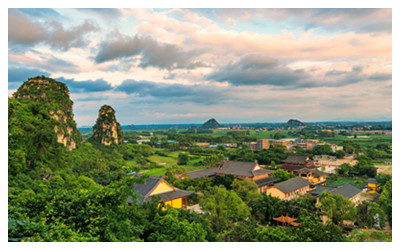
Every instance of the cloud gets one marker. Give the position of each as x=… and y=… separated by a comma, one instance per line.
x=41, y=60
x=256, y=69
x=22, y=74
x=360, y=20
x=155, y=54
x=175, y=93
x=85, y=86
x=380, y=77
x=24, y=32
x=92, y=98
x=106, y=13
x=40, y=12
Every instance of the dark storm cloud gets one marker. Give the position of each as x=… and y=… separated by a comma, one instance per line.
x=85, y=86
x=175, y=93
x=23, y=32
x=160, y=55
x=255, y=69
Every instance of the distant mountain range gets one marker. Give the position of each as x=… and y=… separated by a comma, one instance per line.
x=254, y=124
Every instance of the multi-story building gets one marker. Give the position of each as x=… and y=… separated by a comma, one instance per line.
x=262, y=144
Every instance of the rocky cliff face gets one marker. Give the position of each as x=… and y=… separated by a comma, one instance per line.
x=54, y=96
x=107, y=130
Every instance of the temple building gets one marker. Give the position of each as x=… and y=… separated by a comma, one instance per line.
x=286, y=221
x=296, y=162
x=347, y=190
x=160, y=188
x=372, y=185
x=247, y=170
x=289, y=189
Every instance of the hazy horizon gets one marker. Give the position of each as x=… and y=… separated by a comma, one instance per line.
x=180, y=66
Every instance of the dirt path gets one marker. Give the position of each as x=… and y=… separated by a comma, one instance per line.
x=384, y=169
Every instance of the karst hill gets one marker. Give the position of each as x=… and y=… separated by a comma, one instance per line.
x=53, y=97
x=107, y=130
x=210, y=124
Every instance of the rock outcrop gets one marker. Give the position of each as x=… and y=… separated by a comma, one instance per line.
x=107, y=130
x=54, y=96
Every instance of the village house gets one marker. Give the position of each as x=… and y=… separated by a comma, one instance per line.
x=160, y=188
x=347, y=190
x=284, y=143
x=289, y=189
x=372, y=185
x=247, y=170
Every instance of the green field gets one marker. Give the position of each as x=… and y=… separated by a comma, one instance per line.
x=171, y=160
x=342, y=180
x=373, y=140
x=161, y=171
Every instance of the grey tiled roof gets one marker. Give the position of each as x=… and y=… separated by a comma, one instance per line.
x=296, y=159
x=371, y=180
x=266, y=180
x=241, y=168
x=174, y=194
x=319, y=189
x=347, y=190
x=143, y=190
x=292, y=184
x=201, y=173
x=296, y=167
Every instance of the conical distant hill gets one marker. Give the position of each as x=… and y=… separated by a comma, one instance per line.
x=212, y=123
x=294, y=123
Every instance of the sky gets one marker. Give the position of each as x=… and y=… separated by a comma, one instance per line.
x=158, y=66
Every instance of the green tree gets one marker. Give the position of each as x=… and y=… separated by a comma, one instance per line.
x=336, y=207
x=369, y=214
x=213, y=159
x=242, y=231
x=246, y=189
x=172, y=228
x=385, y=200
x=266, y=207
x=183, y=159
x=344, y=169
x=276, y=234
x=224, y=207
x=282, y=174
